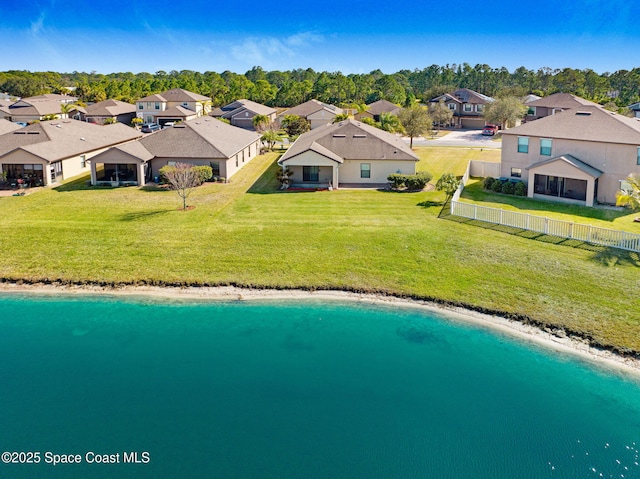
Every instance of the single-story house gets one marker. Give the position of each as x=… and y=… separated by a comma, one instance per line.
x=347, y=152
x=51, y=151
x=172, y=106
x=315, y=112
x=240, y=113
x=467, y=107
x=120, y=111
x=576, y=156
x=377, y=108
x=552, y=104
x=203, y=141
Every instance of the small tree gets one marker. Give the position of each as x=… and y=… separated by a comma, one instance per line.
x=448, y=183
x=295, y=125
x=441, y=113
x=630, y=198
x=261, y=123
x=269, y=138
x=284, y=176
x=505, y=111
x=390, y=123
x=136, y=122
x=341, y=117
x=415, y=120
x=182, y=178
x=109, y=121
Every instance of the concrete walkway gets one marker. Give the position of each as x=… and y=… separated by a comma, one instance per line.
x=469, y=138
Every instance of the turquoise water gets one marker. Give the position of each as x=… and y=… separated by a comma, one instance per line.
x=298, y=390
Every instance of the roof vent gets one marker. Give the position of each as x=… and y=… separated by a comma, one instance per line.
x=32, y=132
x=179, y=126
x=58, y=126
x=359, y=136
x=19, y=132
x=583, y=113
x=82, y=138
x=338, y=135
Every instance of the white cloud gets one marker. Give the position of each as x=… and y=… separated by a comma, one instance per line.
x=36, y=26
x=267, y=50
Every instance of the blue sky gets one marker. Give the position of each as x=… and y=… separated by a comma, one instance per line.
x=353, y=36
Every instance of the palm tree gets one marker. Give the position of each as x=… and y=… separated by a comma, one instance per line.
x=630, y=198
x=390, y=123
x=261, y=123
x=65, y=108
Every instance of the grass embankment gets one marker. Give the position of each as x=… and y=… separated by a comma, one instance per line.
x=248, y=233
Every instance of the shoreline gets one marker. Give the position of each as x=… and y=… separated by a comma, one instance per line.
x=555, y=340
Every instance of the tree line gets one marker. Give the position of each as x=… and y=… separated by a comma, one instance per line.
x=292, y=87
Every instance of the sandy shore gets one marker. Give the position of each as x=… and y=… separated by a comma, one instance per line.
x=556, y=342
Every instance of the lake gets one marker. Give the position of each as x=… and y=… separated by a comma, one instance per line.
x=148, y=388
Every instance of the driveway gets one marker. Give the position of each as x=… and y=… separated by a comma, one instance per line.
x=469, y=138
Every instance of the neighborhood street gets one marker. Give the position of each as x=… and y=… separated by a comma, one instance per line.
x=470, y=138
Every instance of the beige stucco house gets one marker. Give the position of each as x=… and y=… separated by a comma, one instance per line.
x=348, y=152
x=36, y=108
x=172, y=106
x=576, y=156
x=203, y=141
x=48, y=152
x=315, y=112
x=115, y=110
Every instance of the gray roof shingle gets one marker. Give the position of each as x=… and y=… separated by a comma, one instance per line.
x=588, y=123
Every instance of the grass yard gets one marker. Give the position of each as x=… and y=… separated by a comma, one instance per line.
x=452, y=159
x=249, y=233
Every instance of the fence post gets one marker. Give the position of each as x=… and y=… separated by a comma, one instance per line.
x=589, y=234
x=500, y=216
x=546, y=225
x=528, y=217
x=475, y=212
x=571, y=230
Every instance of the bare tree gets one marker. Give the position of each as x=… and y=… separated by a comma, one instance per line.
x=182, y=178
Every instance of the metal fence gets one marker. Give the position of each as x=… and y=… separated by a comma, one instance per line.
x=541, y=224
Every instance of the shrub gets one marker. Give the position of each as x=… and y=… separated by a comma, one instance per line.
x=508, y=188
x=520, y=189
x=410, y=182
x=397, y=180
x=488, y=182
x=204, y=173
x=496, y=186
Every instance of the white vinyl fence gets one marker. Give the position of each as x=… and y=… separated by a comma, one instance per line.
x=541, y=224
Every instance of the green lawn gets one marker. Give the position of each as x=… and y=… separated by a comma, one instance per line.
x=247, y=232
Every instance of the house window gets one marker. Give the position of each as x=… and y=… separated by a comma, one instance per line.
x=516, y=172
x=185, y=104
x=148, y=105
x=532, y=111
x=479, y=108
x=365, y=170
x=236, y=160
x=215, y=168
x=523, y=144
x=310, y=173
x=467, y=108
x=83, y=161
x=157, y=105
x=638, y=156
x=452, y=106
x=140, y=106
x=545, y=147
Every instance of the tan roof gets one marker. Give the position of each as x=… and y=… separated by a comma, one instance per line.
x=351, y=139
x=6, y=126
x=571, y=160
x=110, y=108
x=175, y=112
x=383, y=106
x=238, y=106
x=561, y=100
x=134, y=149
x=305, y=109
x=59, y=139
x=464, y=95
x=155, y=97
x=35, y=108
x=199, y=138
x=587, y=123
x=54, y=97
